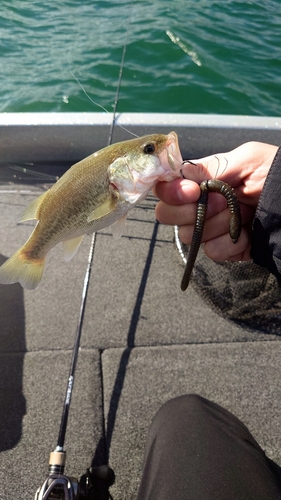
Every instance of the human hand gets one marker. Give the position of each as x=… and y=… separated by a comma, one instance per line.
x=245, y=169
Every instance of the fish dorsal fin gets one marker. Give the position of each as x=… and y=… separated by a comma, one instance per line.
x=31, y=211
x=106, y=208
x=71, y=246
x=118, y=226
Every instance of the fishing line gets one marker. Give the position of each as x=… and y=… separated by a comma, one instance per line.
x=121, y=67
x=116, y=99
x=57, y=484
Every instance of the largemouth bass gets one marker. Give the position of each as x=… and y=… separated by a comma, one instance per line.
x=93, y=194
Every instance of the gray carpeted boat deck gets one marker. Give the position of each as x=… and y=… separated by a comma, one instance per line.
x=143, y=342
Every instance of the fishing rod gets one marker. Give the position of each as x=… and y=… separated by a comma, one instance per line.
x=58, y=486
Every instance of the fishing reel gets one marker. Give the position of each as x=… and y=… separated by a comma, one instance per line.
x=58, y=486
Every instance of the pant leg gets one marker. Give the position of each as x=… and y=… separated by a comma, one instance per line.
x=197, y=450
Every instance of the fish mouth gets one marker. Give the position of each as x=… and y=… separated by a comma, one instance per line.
x=171, y=158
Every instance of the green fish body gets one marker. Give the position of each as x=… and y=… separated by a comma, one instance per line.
x=93, y=194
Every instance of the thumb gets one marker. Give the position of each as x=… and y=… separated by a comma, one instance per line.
x=206, y=168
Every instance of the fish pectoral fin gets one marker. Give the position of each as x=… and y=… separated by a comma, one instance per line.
x=118, y=226
x=106, y=208
x=31, y=211
x=70, y=247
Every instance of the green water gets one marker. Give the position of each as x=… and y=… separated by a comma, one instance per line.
x=189, y=56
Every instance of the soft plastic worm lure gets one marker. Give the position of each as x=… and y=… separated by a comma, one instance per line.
x=235, y=225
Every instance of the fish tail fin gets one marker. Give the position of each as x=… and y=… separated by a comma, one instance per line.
x=19, y=268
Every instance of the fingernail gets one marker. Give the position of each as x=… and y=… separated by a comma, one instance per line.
x=184, y=191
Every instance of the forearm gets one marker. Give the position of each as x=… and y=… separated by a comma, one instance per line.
x=266, y=236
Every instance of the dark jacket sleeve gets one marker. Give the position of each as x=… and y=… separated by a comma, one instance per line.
x=266, y=237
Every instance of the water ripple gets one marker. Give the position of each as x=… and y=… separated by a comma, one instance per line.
x=197, y=56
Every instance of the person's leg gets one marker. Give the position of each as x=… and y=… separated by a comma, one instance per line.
x=196, y=450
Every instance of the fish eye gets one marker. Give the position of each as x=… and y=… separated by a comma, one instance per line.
x=149, y=148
